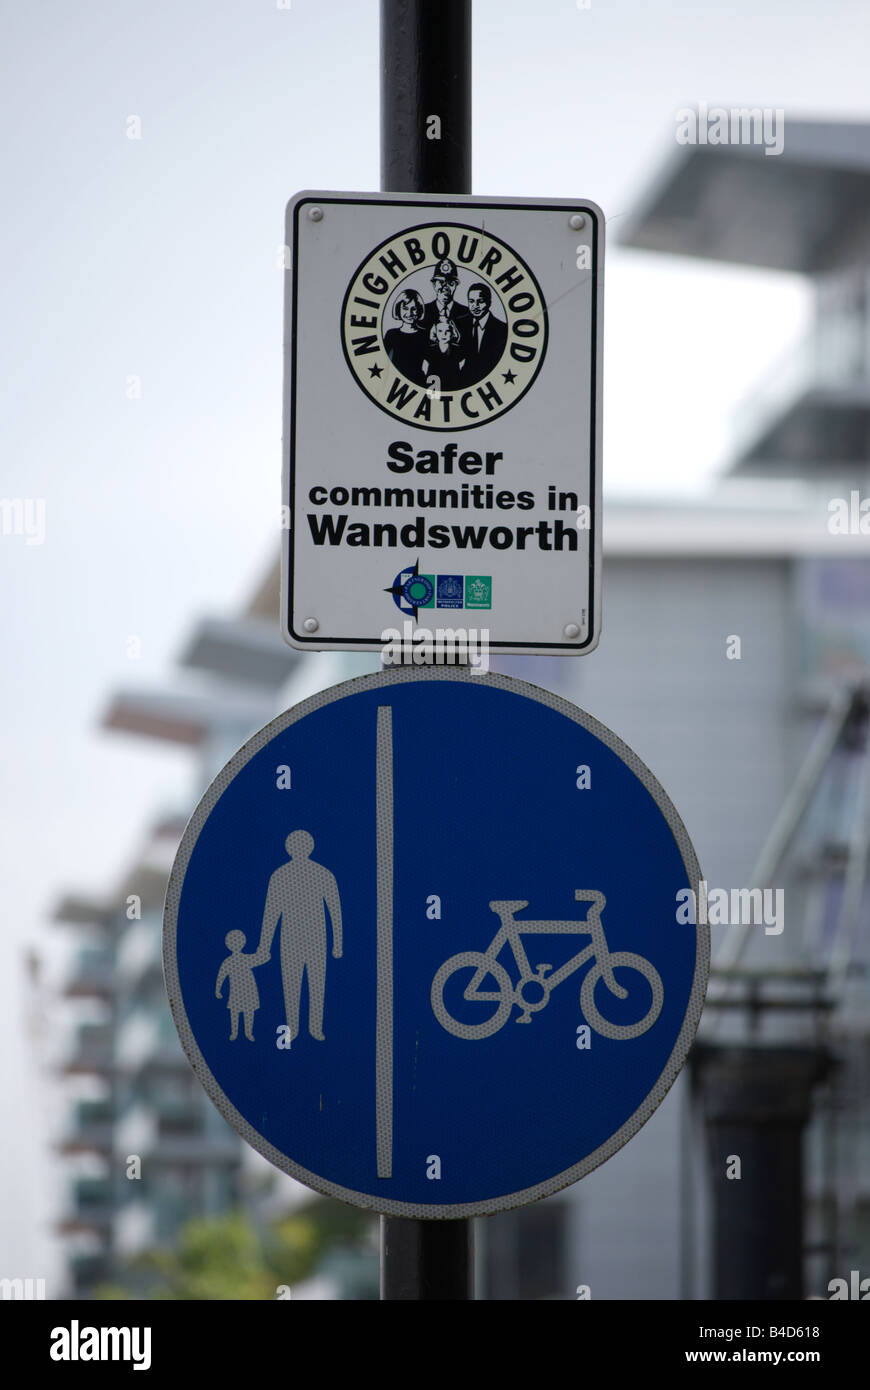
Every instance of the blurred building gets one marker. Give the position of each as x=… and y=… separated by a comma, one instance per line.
x=86, y=1142
x=762, y=744
x=781, y=1072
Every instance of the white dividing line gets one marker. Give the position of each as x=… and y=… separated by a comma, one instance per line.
x=384, y=1026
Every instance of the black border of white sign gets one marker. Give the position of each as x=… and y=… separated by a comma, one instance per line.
x=572, y=602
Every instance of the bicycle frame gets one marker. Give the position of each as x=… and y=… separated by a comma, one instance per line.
x=507, y=993
x=511, y=932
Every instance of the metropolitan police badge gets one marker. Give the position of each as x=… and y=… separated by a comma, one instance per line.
x=444, y=326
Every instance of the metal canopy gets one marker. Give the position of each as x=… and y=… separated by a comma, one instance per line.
x=818, y=430
x=806, y=209
x=240, y=649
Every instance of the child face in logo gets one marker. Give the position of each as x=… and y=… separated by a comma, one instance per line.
x=443, y=336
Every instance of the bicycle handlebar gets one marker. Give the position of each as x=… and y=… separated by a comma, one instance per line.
x=590, y=895
x=581, y=895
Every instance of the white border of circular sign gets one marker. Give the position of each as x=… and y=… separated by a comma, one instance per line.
x=369, y=1201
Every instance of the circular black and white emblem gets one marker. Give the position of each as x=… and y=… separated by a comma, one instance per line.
x=444, y=326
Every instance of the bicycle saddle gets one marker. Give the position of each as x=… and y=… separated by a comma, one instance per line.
x=512, y=906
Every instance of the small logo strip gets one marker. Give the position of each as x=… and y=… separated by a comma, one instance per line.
x=412, y=590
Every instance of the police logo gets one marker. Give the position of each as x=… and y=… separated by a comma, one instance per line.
x=444, y=326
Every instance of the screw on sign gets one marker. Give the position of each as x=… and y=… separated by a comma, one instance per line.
x=410, y=932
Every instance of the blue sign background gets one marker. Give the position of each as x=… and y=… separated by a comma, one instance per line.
x=486, y=807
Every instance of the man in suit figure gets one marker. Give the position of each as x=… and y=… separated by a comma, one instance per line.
x=445, y=282
x=484, y=336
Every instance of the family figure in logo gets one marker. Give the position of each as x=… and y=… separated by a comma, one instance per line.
x=443, y=339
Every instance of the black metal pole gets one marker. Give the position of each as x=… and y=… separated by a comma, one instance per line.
x=426, y=96
x=756, y=1102
x=426, y=148
x=426, y=1261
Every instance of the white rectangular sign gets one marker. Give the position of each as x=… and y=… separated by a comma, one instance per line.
x=442, y=421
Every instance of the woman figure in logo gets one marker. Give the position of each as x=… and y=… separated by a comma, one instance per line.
x=406, y=345
x=445, y=356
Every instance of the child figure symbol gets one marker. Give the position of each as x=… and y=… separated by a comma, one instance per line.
x=243, y=995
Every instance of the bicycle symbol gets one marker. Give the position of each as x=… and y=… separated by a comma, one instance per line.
x=538, y=982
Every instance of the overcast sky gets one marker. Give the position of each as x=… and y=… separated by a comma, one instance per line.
x=158, y=258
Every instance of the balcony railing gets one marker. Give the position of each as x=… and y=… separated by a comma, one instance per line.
x=92, y=1051
x=147, y=1041
x=93, y=974
x=92, y=1208
x=139, y=954
x=829, y=365
x=94, y=1136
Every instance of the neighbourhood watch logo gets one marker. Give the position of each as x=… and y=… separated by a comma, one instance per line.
x=444, y=326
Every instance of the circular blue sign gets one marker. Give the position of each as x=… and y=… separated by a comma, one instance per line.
x=425, y=947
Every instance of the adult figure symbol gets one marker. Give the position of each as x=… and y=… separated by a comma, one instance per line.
x=298, y=894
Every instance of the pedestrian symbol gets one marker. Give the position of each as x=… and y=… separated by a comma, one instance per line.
x=298, y=892
x=243, y=996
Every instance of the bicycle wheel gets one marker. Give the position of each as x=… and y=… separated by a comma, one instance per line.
x=474, y=960
x=619, y=1030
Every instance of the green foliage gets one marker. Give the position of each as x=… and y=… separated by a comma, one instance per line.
x=226, y=1257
